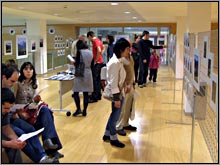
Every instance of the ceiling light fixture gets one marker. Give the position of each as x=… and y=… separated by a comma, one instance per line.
x=127, y=12
x=139, y=21
x=114, y=4
x=134, y=17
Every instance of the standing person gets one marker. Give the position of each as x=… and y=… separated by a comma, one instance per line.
x=83, y=84
x=9, y=138
x=154, y=65
x=135, y=55
x=127, y=107
x=81, y=37
x=110, y=40
x=97, y=50
x=24, y=93
x=115, y=82
x=144, y=46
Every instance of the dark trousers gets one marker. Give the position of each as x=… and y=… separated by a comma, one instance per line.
x=136, y=66
x=96, y=71
x=143, y=72
x=77, y=100
x=33, y=148
x=45, y=119
x=14, y=155
x=153, y=74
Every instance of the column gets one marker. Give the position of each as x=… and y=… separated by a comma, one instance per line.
x=37, y=30
x=181, y=29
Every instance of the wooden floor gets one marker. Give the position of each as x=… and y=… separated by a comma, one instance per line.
x=163, y=130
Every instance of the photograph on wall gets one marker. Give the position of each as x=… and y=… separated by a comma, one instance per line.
x=8, y=47
x=21, y=47
x=190, y=66
x=196, y=66
x=214, y=91
x=67, y=43
x=41, y=43
x=55, y=38
x=214, y=85
x=210, y=57
x=209, y=68
x=205, y=46
x=33, y=46
x=58, y=52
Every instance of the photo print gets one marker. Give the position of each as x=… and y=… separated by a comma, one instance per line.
x=21, y=47
x=8, y=47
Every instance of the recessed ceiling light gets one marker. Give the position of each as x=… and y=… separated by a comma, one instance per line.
x=134, y=17
x=139, y=21
x=114, y=4
x=127, y=12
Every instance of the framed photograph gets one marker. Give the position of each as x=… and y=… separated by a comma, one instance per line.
x=67, y=43
x=41, y=43
x=210, y=58
x=33, y=46
x=214, y=91
x=205, y=46
x=196, y=69
x=8, y=47
x=58, y=52
x=61, y=38
x=55, y=38
x=21, y=47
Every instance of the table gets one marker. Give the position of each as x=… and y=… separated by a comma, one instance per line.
x=65, y=85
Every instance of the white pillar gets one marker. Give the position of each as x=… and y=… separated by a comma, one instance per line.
x=181, y=29
x=36, y=30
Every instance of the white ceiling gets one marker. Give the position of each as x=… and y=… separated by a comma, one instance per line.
x=16, y=13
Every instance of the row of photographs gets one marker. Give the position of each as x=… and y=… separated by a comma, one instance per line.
x=61, y=52
x=22, y=46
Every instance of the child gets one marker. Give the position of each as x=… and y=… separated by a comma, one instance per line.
x=154, y=65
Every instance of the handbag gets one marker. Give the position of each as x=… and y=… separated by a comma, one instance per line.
x=107, y=94
x=79, y=70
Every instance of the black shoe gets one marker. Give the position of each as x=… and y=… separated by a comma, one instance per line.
x=48, y=144
x=77, y=112
x=131, y=128
x=57, y=155
x=117, y=143
x=106, y=138
x=91, y=100
x=121, y=132
x=84, y=113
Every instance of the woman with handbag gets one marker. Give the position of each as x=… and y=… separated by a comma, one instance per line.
x=37, y=112
x=83, y=81
x=115, y=81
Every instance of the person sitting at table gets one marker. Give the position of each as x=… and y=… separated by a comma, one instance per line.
x=41, y=116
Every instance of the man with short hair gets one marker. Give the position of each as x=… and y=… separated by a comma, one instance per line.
x=97, y=50
x=9, y=138
x=74, y=50
x=33, y=149
x=144, y=45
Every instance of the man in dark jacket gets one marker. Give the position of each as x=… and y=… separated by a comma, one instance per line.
x=144, y=46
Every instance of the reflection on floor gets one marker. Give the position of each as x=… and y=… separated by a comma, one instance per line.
x=163, y=131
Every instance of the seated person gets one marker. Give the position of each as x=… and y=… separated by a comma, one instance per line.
x=33, y=148
x=41, y=116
